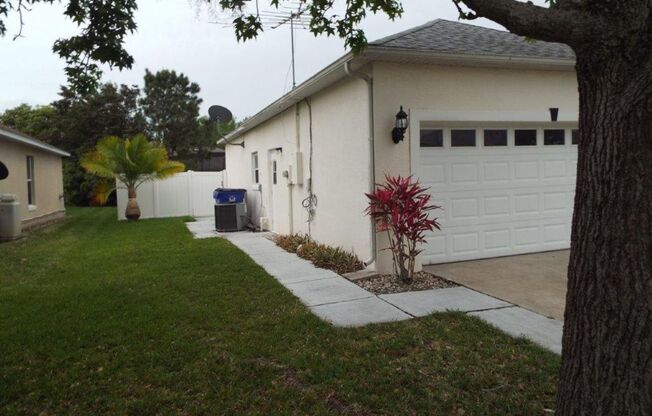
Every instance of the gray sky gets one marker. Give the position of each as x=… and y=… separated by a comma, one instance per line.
x=175, y=34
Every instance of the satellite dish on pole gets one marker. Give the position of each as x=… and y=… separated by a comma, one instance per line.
x=219, y=114
x=4, y=172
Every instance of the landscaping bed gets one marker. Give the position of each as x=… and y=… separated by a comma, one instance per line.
x=387, y=283
x=321, y=255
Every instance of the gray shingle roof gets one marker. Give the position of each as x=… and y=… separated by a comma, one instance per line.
x=444, y=36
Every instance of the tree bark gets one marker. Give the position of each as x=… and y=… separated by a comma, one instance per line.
x=607, y=342
x=132, y=211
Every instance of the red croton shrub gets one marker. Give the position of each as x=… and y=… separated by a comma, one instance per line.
x=402, y=208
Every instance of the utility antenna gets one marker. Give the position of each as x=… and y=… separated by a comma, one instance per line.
x=294, y=16
x=290, y=12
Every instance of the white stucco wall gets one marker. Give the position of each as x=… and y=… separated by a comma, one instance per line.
x=454, y=93
x=340, y=167
x=340, y=139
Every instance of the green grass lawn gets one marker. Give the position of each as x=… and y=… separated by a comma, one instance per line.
x=101, y=317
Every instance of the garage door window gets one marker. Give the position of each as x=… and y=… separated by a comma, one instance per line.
x=494, y=137
x=525, y=137
x=462, y=138
x=432, y=138
x=554, y=137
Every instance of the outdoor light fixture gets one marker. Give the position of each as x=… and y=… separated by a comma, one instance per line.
x=401, y=125
x=554, y=112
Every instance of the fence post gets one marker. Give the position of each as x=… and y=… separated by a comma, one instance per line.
x=155, y=205
x=191, y=207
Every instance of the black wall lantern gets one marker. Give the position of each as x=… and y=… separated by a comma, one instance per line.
x=554, y=112
x=401, y=125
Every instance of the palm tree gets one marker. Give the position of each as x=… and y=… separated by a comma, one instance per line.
x=131, y=162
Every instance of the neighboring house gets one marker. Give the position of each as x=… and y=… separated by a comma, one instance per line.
x=35, y=176
x=480, y=134
x=215, y=161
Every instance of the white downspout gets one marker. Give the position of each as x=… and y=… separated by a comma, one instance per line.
x=372, y=154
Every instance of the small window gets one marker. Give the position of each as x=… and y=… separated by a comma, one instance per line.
x=31, y=190
x=462, y=138
x=274, y=172
x=554, y=137
x=432, y=138
x=525, y=137
x=575, y=135
x=495, y=137
x=255, y=174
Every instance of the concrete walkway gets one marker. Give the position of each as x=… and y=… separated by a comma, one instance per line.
x=345, y=304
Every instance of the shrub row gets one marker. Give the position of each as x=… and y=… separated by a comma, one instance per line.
x=321, y=255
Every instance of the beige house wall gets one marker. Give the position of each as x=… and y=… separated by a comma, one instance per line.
x=340, y=167
x=48, y=181
x=456, y=94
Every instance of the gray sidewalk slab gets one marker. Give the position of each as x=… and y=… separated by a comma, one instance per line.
x=459, y=298
x=288, y=274
x=322, y=291
x=359, y=312
x=202, y=229
x=519, y=322
x=343, y=303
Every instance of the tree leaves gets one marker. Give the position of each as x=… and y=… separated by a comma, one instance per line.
x=103, y=26
x=323, y=20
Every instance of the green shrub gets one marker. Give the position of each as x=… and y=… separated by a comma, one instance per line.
x=321, y=255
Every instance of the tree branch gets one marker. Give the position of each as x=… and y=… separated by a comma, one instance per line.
x=554, y=24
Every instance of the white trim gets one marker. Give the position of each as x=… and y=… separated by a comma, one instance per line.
x=9, y=135
x=31, y=208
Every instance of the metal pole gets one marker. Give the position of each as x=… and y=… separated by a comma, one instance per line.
x=294, y=82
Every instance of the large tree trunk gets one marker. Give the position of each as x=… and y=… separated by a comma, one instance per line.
x=132, y=212
x=607, y=342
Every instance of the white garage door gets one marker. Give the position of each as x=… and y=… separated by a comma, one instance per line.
x=503, y=190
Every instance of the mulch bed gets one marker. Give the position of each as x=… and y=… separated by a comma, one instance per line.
x=388, y=283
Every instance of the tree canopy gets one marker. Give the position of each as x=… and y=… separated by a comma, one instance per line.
x=103, y=25
x=171, y=105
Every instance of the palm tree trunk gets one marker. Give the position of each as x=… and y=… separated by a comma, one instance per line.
x=133, y=210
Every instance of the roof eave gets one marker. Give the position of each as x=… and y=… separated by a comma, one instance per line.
x=335, y=71
x=379, y=53
x=32, y=143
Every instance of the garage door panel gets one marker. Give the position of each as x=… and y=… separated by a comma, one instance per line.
x=498, y=201
x=555, y=201
x=464, y=208
x=496, y=206
x=527, y=236
x=556, y=233
x=497, y=239
x=526, y=203
x=464, y=173
x=554, y=169
x=496, y=172
x=525, y=170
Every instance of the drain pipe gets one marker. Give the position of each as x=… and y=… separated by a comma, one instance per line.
x=372, y=156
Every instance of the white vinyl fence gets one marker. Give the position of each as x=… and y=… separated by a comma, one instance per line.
x=187, y=193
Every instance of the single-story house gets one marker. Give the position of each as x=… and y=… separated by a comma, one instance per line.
x=491, y=126
x=35, y=176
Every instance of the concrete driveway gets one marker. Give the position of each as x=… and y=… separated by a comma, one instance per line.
x=533, y=281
